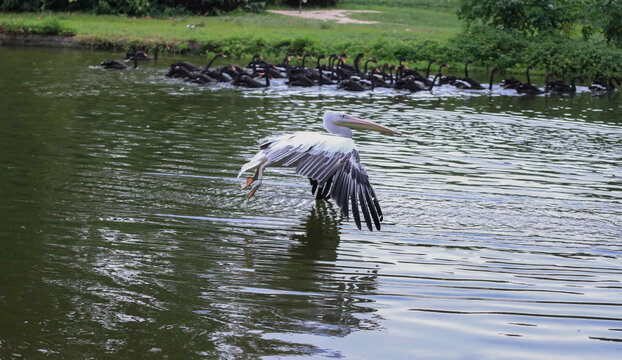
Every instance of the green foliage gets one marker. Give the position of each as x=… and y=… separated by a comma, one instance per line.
x=524, y=15
x=49, y=26
x=134, y=7
x=606, y=15
x=20, y=5
x=509, y=49
x=542, y=16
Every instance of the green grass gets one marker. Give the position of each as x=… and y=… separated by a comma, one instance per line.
x=241, y=33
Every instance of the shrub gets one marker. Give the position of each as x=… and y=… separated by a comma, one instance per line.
x=606, y=15
x=523, y=15
x=508, y=49
x=49, y=26
x=134, y=7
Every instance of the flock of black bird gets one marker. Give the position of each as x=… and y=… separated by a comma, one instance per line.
x=335, y=71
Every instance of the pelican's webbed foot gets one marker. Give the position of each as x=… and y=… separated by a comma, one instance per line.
x=254, y=189
x=249, y=180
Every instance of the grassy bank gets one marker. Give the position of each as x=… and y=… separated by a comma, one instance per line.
x=241, y=34
x=423, y=30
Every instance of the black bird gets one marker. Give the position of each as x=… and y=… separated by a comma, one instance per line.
x=323, y=79
x=513, y=83
x=202, y=79
x=559, y=86
x=245, y=80
x=156, y=50
x=472, y=83
x=449, y=79
x=354, y=84
x=354, y=69
x=285, y=65
x=215, y=74
x=492, y=74
x=117, y=64
x=178, y=71
x=529, y=88
x=600, y=86
x=187, y=65
x=139, y=55
x=299, y=79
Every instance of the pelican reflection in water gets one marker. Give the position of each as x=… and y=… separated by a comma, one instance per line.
x=330, y=161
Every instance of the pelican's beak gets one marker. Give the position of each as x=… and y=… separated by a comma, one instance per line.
x=354, y=123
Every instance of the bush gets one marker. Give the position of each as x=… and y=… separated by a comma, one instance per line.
x=49, y=26
x=509, y=49
x=134, y=7
x=606, y=15
x=523, y=15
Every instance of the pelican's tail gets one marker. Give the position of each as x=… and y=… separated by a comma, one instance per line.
x=259, y=158
x=253, y=163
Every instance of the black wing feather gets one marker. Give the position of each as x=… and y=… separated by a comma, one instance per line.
x=326, y=189
x=342, y=177
x=363, y=204
x=372, y=208
x=355, y=207
x=313, y=185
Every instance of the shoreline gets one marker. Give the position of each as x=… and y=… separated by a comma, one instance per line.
x=39, y=40
x=240, y=37
x=89, y=43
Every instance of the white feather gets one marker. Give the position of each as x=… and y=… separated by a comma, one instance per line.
x=299, y=142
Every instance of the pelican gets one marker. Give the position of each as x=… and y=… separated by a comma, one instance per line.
x=330, y=161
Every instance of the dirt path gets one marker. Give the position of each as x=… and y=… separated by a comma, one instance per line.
x=341, y=16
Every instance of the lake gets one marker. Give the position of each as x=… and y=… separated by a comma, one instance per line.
x=124, y=232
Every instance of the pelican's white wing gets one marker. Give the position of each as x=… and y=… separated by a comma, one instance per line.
x=332, y=165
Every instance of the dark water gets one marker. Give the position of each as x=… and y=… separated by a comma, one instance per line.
x=123, y=232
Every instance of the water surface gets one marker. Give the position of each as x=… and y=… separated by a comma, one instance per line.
x=123, y=232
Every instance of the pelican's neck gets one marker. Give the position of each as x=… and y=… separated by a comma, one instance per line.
x=335, y=129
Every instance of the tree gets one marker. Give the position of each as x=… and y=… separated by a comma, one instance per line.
x=524, y=15
x=606, y=16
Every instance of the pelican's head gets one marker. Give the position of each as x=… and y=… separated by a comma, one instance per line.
x=341, y=124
